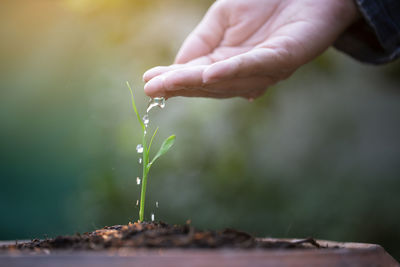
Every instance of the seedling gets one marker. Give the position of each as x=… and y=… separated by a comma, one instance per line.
x=146, y=163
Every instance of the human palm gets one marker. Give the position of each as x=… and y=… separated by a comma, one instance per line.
x=243, y=46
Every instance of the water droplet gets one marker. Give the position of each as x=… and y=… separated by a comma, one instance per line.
x=139, y=149
x=146, y=120
x=156, y=102
x=137, y=202
x=140, y=160
x=152, y=217
x=156, y=204
x=138, y=180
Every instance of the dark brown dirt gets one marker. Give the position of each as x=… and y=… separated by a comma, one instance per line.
x=158, y=235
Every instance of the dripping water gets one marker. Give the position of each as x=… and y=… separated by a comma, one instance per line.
x=146, y=120
x=139, y=148
x=156, y=102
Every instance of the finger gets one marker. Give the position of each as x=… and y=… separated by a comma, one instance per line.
x=205, y=37
x=249, y=88
x=192, y=78
x=217, y=55
x=257, y=62
x=188, y=77
x=153, y=72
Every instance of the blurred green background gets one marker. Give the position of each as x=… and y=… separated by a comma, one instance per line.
x=318, y=155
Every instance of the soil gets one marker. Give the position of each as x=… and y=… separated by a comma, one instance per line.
x=158, y=235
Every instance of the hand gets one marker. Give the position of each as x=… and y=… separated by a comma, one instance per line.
x=243, y=46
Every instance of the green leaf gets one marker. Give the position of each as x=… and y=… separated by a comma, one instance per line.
x=151, y=140
x=134, y=107
x=166, y=145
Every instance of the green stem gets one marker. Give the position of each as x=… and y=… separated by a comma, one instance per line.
x=145, y=162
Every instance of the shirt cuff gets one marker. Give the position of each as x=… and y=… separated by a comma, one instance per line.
x=376, y=37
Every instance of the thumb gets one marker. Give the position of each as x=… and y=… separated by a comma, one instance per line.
x=205, y=37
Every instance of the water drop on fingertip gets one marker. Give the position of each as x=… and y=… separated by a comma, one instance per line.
x=160, y=101
x=156, y=102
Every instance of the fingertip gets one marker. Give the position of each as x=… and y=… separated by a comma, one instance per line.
x=155, y=87
x=148, y=75
x=156, y=71
x=160, y=70
x=151, y=73
x=145, y=77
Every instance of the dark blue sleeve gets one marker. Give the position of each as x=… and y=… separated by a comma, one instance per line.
x=375, y=38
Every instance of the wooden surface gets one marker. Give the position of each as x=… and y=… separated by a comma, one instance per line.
x=349, y=254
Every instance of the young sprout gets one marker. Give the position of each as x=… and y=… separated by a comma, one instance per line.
x=144, y=149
